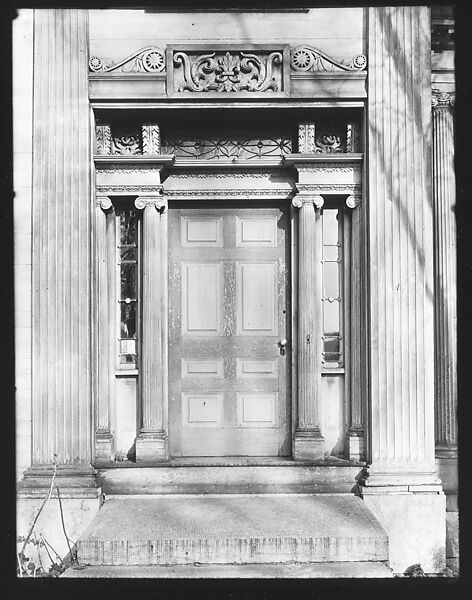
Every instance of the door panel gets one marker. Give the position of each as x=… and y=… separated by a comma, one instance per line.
x=228, y=309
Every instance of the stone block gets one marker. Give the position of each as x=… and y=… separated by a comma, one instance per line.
x=416, y=528
x=78, y=513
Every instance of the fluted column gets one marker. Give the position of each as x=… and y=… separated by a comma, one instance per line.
x=151, y=443
x=62, y=217
x=355, y=318
x=309, y=442
x=105, y=337
x=444, y=197
x=401, y=251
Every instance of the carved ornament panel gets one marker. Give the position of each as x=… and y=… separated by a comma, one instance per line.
x=226, y=69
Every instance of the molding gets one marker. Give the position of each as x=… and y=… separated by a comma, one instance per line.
x=306, y=58
x=128, y=189
x=222, y=194
x=146, y=60
x=133, y=161
x=324, y=160
x=205, y=174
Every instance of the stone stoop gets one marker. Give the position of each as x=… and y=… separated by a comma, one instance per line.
x=233, y=529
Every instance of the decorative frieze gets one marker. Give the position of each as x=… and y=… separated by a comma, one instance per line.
x=147, y=60
x=328, y=138
x=308, y=58
x=230, y=71
x=227, y=147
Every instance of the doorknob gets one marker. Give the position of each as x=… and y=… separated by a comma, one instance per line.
x=282, y=344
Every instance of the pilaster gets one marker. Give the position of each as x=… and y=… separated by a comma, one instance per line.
x=401, y=245
x=105, y=339
x=62, y=216
x=444, y=197
x=309, y=442
x=355, y=320
x=151, y=443
x=401, y=478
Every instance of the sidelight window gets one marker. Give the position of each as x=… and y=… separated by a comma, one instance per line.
x=332, y=228
x=127, y=253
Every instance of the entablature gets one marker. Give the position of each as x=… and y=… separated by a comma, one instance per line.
x=216, y=72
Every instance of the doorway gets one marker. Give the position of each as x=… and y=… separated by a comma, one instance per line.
x=229, y=330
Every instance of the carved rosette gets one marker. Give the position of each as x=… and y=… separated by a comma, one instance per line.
x=306, y=58
x=147, y=60
x=441, y=99
x=229, y=72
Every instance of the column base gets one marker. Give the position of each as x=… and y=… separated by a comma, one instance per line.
x=415, y=522
x=308, y=445
x=446, y=451
x=80, y=500
x=104, y=447
x=74, y=481
x=356, y=445
x=151, y=446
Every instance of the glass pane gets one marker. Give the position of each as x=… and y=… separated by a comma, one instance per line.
x=331, y=316
x=330, y=253
x=128, y=253
x=330, y=226
x=127, y=228
x=128, y=281
x=127, y=358
x=330, y=279
x=331, y=349
x=128, y=320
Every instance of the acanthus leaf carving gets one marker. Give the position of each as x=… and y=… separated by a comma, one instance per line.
x=228, y=72
x=151, y=139
x=126, y=144
x=306, y=58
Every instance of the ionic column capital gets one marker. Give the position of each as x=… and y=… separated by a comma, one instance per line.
x=353, y=201
x=442, y=99
x=307, y=195
x=159, y=202
x=104, y=202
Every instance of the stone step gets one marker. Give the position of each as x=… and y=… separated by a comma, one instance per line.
x=330, y=570
x=239, y=478
x=233, y=529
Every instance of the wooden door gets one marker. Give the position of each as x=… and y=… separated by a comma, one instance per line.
x=228, y=312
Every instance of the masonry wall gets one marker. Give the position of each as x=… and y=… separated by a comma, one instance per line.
x=338, y=32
